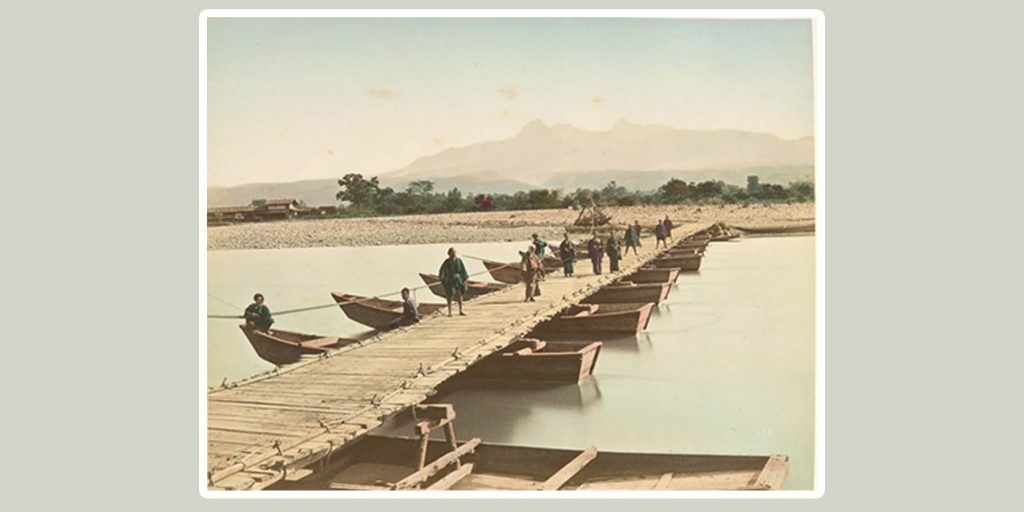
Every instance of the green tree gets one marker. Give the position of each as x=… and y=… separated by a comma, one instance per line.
x=361, y=192
x=753, y=184
x=420, y=188
x=675, y=191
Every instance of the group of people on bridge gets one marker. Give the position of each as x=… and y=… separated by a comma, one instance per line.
x=453, y=274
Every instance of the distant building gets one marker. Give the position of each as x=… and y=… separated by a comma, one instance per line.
x=259, y=211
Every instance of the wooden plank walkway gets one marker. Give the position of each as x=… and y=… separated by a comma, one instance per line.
x=261, y=430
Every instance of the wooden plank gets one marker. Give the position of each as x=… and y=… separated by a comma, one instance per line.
x=663, y=482
x=569, y=470
x=452, y=478
x=417, y=478
x=774, y=473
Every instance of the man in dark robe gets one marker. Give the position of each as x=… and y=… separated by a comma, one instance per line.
x=567, y=252
x=257, y=315
x=668, y=227
x=659, y=235
x=453, y=277
x=596, y=250
x=614, y=250
x=632, y=238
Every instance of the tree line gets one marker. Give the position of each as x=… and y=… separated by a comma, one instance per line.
x=365, y=197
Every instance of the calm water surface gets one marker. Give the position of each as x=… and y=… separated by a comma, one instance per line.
x=725, y=366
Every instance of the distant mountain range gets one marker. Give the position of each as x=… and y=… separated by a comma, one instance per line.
x=639, y=157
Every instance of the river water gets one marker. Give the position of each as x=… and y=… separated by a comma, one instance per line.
x=725, y=366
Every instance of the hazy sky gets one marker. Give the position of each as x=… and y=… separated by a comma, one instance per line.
x=299, y=98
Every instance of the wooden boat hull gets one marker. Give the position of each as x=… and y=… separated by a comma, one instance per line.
x=683, y=263
x=376, y=313
x=770, y=230
x=508, y=273
x=685, y=251
x=552, y=362
x=654, y=275
x=598, y=319
x=551, y=262
x=286, y=347
x=378, y=462
x=474, y=289
x=631, y=292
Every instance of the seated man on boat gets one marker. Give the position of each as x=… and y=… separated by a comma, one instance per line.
x=257, y=315
x=567, y=252
x=409, y=314
x=532, y=271
x=453, y=276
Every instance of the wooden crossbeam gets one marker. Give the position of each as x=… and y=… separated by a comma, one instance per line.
x=452, y=478
x=569, y=470
x=416, y=479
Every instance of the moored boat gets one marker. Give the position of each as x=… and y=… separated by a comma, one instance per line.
x=389, y=463
x=688, y=263
x=377, y=313
x=629, y=291
x=771, y=230
x=538, y=361
x=685, y=251
x=617, y=319
x=654, y=275
x=473, y=288
x=283, y=347
x=508, y=273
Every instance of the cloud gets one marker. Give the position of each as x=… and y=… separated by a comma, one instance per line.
x=505, y=113
x=597, y=100
x=437, y=141
x=381, y=93
x=509, y=92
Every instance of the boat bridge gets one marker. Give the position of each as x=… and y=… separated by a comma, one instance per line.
x=276, y=426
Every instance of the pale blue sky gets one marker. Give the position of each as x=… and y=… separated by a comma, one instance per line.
x=302, y=98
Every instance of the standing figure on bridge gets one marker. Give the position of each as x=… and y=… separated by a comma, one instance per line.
x=668, y=227
x=614, y=250
x=540, y=246
x=567, y=252
x=659, y=235
x=632, y=238
x=596, y=250
x=453, y=277
x=409, y=314
x=257, y=315
x=532, y=271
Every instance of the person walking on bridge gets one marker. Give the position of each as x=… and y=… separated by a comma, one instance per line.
x=453, y=277
x=659, y=235
x=614, y=250
x=532, y=270
x=632, y=238
x=668, y=227
x=567, y=252
x=257, y=315
x=596, y=249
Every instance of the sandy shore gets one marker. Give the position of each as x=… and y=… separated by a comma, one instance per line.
x=482, y=226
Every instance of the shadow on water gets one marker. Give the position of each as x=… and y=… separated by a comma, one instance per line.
x=496, y=411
